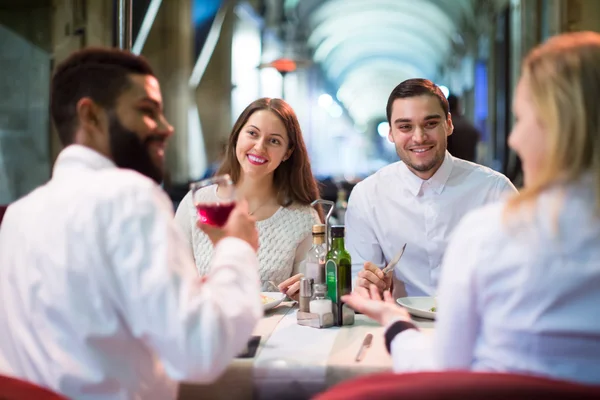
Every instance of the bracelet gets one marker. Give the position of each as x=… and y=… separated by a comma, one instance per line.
x=395, y=329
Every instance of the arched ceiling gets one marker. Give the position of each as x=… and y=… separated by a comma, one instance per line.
x=367, y=47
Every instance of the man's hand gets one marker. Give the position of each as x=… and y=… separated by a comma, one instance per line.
x=291, y=287
x=370, y=303
x=239, y=225
x=373, y=275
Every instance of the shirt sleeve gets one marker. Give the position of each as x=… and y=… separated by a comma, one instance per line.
x=451, y=346
x=504, y=188
x=194, y=327
x=458, y=323
x=412, y=351
x=361, y=242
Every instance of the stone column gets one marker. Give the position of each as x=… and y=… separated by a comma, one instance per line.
x=75, y=25
x=213, y=94
x=169, y=50
x=582, y=15
x=24, y=127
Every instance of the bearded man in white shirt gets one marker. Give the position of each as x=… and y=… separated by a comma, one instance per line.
x=418, y=200
x=99, y=296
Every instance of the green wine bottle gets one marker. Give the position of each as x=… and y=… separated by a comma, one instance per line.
x=338, y=272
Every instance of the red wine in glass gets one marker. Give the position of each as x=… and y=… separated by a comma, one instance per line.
x=214, y=199
x=215, y=214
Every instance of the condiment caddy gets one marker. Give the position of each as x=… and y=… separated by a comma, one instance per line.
x=327, y=279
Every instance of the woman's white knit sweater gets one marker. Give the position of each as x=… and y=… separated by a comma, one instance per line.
x=284, y=238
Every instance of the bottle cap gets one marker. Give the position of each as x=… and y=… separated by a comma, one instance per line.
x=337, y=231
x=320, y=288
x=318, y=229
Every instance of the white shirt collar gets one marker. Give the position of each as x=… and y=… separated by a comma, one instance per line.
x=81, y=156
x=436, y=182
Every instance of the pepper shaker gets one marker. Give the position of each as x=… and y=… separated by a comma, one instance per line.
x=306, y=290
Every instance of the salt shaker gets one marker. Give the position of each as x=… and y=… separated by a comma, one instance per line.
x=322, y=306
x=305, y=293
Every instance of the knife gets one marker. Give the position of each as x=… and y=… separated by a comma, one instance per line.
x=363, y=348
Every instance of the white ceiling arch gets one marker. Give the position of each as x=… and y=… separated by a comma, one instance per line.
x=365, y=90
x=367, y=47
x=343, y=60
x=374, y=71
x=397, y=16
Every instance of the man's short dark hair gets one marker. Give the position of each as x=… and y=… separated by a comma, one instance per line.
x=98, y=73
x=413, y=88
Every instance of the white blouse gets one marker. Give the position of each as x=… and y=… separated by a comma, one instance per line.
x=520, y=294
x=284, y=238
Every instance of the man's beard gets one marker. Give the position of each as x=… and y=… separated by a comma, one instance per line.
x=130, y=152
x=435, y=161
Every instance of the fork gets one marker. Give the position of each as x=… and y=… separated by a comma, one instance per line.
x=279, y=291
x=274, y=285
x=394, y=260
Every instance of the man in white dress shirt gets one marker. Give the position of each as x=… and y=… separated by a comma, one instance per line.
x=99, y=297
x=418, y=200
x=519, y=284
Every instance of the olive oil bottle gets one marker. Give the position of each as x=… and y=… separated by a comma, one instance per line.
x=338, y=270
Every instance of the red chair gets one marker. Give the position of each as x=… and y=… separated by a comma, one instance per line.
x=16, y=389
x=457, y=385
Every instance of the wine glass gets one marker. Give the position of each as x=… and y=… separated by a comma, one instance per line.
x=215, y=204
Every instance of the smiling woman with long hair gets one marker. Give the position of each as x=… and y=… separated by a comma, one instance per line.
x=268, y=162
x=519, y=287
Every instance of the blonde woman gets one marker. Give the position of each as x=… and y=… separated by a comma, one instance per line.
x=520, y=284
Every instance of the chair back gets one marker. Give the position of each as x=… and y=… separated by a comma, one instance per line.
x=17, y=389
x=458, y=385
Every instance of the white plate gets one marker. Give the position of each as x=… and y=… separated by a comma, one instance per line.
x=418, y=306
x=277, y=297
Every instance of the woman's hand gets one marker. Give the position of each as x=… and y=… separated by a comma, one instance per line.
x=370, y=303
x=291, y=287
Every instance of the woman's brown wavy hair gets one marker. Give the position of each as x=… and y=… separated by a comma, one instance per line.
x=293, y=178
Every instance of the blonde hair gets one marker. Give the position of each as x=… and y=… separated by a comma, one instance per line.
x=563, y=76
